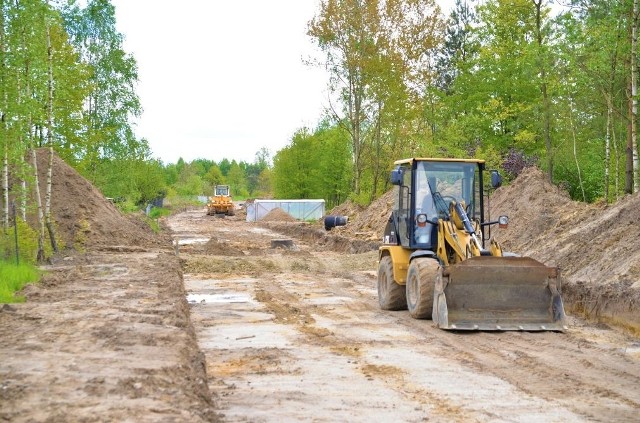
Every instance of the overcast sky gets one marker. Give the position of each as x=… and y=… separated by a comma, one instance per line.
x=222, y=78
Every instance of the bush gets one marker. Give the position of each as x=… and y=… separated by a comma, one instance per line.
x=127, y=206
x=157, y=212
x=27, y=244
x=515, y=161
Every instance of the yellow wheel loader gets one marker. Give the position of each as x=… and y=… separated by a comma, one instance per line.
x=433, y=260
x=220, y=204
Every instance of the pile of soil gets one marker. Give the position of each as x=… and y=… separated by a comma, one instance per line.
x=83, y=217
x=217, y=247
x=365, y=223
x=278, y=215
x=106, y=335
x=595, y=246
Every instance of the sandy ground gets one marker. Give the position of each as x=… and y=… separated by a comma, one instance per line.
x=266, y=334
x=210, y=323
x=297, y=335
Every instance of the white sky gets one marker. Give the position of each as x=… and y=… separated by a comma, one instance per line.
x=222, y=78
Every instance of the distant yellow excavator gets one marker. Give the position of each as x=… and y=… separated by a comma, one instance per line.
x=221, y=203
x=433, y=259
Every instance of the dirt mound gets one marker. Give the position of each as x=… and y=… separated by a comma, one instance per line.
x=222, y=248
x=365, y=223
x=374, y=218
x=84, y=217
x=596, y=246
x=348, y=208
x=278, y=215
x=533, y=205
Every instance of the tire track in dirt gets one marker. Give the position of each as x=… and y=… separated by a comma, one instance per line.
x=551, y=366
x=321, y=307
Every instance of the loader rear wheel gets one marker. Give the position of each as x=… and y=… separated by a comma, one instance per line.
x=421, y=279
x=391, y=296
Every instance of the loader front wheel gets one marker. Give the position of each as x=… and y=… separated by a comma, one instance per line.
x=421, y=279
x=391, y=296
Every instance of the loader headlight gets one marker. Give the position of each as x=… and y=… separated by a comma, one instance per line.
x=503, y=221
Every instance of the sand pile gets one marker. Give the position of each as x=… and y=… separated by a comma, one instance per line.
x=595, y=246
x=278, y=215
x=84, y=217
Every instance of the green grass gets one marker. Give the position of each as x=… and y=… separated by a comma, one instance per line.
x=157, y=212
x=13, y=278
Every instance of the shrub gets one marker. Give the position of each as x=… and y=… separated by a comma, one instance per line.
x=27, y=243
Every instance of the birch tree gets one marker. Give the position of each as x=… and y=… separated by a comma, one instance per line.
x=633, y=179
x=112, y=101
x=380, y=56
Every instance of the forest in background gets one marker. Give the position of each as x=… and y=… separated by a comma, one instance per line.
x=514, y=82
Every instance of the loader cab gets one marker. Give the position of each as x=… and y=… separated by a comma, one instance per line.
x=221, y=190
x=426, y=188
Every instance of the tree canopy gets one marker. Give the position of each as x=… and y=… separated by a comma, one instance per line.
x=515, y=82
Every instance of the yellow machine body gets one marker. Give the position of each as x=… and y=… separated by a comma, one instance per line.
x=221, y=203
x=433, y=259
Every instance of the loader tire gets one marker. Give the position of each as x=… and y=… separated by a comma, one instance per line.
x=421, y=279
x=391, y=296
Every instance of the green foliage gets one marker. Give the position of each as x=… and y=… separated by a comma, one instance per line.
x=14, y=277
x=314, y=166
x=177, y=202
x=112, y=101
x=27, y=244
x=139, y=181
x=189, y=183
x=589, y=179
x=127, y=206
x=152, y=221
x=237, y=180
x=380, y=60
x=157, y=212
x=214, y=176
x=502, y=77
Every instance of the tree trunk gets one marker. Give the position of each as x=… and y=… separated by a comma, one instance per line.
x=5, y=152
x=40, y=256
x=36, y=189
x=607, y=148
x=575, y=150
x=355, y=118
x=47, y=208
x=617, y=157
x=546, y=104
x=378, y=154
x=633, y=147
x=628, y=177
x=5, y=188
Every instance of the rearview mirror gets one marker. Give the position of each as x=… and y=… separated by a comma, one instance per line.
x=496, y=179
x=396, y=176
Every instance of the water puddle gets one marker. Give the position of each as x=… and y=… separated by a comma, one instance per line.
x=633, y=349
x=219, y=298
x=191, y=241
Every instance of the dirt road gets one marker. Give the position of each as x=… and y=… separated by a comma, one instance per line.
x=297, y=335
x=263, y=334
x=270, y=335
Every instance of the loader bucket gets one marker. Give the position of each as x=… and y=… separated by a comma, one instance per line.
x=498, y=293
